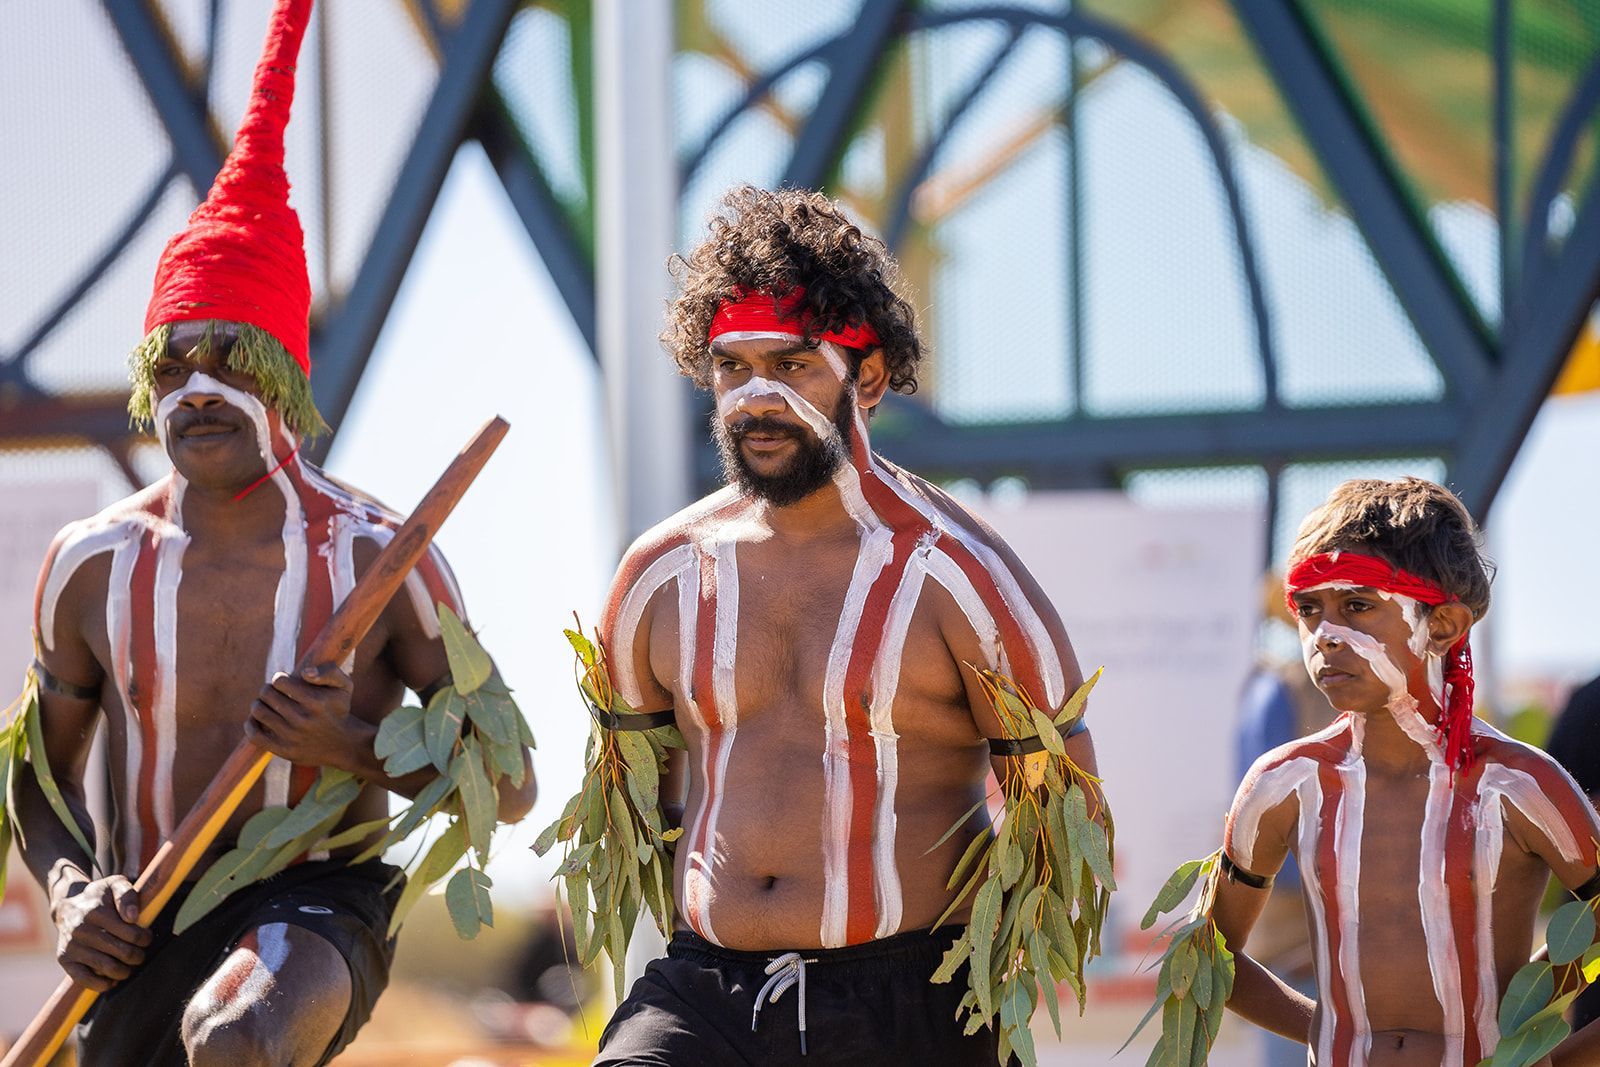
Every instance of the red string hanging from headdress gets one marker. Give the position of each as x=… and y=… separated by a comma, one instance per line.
x=242, y=256
x=1351, y=568
x=760, y=312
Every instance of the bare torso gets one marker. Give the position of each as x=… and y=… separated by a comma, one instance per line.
x=833, y=737
x=186, y=629
x=1421, y=896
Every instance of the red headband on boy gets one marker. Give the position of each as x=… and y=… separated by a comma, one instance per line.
x=764, y=313
x=1350, y=568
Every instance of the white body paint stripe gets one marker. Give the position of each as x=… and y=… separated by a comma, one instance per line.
x=119, y=634
x=1022, y=609
x=885, y=684
x=697, y=871
x=88, y=540
x=1348, y=825
x=1434, y=900
x=877, y=549
x=676, y=563
x=1310, y=790
x=723, y=649
x=164, y=707
x=1270, y=788
x=945, y=571
x=1488, y=842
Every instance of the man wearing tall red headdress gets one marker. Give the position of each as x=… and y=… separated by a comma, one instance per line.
x=1424, y=837
x=173, y=616
x=811, y=628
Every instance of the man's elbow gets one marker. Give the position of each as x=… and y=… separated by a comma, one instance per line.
x=517, y=800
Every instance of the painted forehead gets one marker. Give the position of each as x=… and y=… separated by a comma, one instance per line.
x=190, y=339
x=762, y=342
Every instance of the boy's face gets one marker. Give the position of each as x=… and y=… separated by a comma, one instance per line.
x=1364, y=648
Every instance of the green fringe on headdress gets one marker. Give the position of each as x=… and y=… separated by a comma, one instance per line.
x=281, y=383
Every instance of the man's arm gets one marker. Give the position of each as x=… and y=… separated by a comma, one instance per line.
x=98, y=941
x=306, y=718
x=1257, y=855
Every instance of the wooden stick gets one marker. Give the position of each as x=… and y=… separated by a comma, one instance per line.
x=177, y=857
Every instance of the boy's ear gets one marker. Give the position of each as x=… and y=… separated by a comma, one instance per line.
x=1446, y=624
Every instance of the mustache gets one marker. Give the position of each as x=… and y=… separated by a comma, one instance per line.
x=764, y=424
x=182, y=422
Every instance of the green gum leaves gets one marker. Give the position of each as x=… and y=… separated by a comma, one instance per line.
x=1039, y=879
x=616, y=845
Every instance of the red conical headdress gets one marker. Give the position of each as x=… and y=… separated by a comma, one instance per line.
x=242, y=256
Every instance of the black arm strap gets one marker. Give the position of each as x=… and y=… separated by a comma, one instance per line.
x=1590, y=889
x=62, y=687
x=431, y=690
x=629, y=722
x=1235, y=873
x=1023, y=746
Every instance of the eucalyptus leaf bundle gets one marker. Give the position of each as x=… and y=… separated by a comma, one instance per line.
x=617, y=848
x=1040, y=878
x=471, y=733
x=1197, y=970
x=1533, y=1011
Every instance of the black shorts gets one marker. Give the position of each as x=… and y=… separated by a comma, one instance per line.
x=869, y=1004
x=140, y=1020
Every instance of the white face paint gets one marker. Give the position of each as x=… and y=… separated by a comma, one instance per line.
x=1401, y=704
x=202, y=384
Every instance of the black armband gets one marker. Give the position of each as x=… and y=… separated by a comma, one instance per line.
x=1590, y=889
x=630, y=722
x=62, y=687
x=431, y=690
x=1235, y=873
x=1024, y=746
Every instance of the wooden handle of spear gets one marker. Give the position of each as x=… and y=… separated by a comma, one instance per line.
x=178, y=856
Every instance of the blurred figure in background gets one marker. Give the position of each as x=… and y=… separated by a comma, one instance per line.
x=1575, y=744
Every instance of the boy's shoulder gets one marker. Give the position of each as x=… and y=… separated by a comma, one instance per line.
x=1500, y=753
x=1330, y=745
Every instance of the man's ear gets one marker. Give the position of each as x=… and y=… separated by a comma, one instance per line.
x=872, y=380
x=1446, y=624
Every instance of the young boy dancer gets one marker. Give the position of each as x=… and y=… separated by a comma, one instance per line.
x=1424, y=837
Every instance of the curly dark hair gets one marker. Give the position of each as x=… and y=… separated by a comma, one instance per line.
x=770, y=241
x=1413, y=523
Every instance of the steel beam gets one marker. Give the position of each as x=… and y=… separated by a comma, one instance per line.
x=850, y=74
x=569, y=266
x=33, y=418
x=1556, y=313
x=350, y=332
x=908, y=433
x=1350, y=154
x=197, y=146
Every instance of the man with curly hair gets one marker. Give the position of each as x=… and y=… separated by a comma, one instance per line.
x=812, y=628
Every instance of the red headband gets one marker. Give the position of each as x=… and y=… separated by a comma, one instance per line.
x=763, y=313
x=1351, y=568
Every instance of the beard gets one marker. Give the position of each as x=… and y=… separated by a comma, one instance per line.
x=812, y=465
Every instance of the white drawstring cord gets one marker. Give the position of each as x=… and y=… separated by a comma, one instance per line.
x=786, y=970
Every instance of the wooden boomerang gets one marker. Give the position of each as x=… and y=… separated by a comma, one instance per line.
x=177, y=857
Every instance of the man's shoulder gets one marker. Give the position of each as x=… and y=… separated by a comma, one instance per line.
x=127, y=517
x=944, y=509
x=697, y=522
